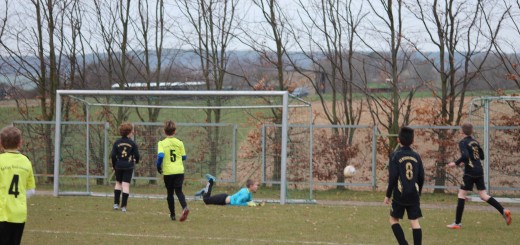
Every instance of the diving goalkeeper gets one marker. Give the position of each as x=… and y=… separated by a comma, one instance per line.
x=244, y=197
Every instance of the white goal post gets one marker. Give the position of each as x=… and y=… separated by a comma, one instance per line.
x=284, y=106
x=481, y=114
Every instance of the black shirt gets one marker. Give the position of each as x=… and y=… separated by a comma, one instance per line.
x=406, y=176
x=470, y=154
x=124, y=153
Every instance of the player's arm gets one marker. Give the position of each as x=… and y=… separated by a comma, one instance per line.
x=464, y=153
x=30, y=184
x=420, y=175
x=137, y=156
x=113, y=155
x=160, y=157
x=393, y=176
x=183, y=152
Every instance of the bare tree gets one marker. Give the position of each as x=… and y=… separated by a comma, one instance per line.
x=213, y=24
x=391, y=60
x=269, y=38
x=329, y=27
x=43, y=41
x=461, y=34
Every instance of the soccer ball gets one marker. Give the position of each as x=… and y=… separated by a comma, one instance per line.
x=349, y=171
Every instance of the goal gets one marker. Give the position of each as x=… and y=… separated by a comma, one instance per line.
x=497, y=125
x=220, y=130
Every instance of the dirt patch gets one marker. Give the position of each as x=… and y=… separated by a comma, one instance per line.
x=12, y=103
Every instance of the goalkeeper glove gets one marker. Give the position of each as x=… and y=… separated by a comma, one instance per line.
x=159, y=169
x=251, y=204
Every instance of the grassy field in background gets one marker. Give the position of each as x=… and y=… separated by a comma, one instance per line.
x=90, y=220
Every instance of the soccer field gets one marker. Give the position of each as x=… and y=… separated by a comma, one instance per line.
x=91, y=220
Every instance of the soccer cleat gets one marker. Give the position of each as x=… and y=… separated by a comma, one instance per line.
x=116, y=206
x=172, y=216
x=123, y=209
x=454, y=226
x=210, y=177
x=200, y=192
x=184, y=214
x=507, y=216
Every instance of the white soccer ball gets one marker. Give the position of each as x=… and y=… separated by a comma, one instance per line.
x=349, y=171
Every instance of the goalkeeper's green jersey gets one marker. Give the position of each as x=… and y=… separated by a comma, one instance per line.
x=173, y=150
x=16, y=177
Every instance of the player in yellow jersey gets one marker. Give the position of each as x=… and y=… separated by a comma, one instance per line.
x=170, y=154
x=16, y=185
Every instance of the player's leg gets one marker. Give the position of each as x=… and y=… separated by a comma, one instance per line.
x=461, y=201
x=209, y=187
x=204, y=191
x=414, y=213
x=117, y=188
x=492, y=201
x=396, y=213
x=177, y=186
x=219, y=199
x=11, y=233
x=127, y=178
x=168, y=183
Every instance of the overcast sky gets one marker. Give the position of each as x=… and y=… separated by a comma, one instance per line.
x=21, y=23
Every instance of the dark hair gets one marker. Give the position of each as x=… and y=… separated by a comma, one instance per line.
x=169, y=127
x=10, y=137
x=467, y=128
x=406, y=136
x=125, y=129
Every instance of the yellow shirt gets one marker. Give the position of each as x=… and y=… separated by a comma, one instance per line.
x=173, y=150
x=16, y=177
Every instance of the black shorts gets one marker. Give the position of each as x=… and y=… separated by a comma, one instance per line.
x=413, y=211
x=124, y=175
x=219, y=199
x=173, y=181
x=469, y=181
x=11, y=233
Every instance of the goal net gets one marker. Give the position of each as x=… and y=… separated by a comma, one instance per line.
x=221, y=131
x=496, y=121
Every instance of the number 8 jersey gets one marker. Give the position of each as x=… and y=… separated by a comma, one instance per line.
x=16, y=177
x=173, y=152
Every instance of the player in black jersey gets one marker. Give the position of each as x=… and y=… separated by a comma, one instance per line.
x=124, y=156
x=470, y=155
x=405, y=182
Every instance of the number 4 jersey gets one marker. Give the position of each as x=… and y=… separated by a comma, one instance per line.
x=16, y=177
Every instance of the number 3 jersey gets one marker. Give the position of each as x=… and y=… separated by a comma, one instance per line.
x=16, y=177
x=173, y=150
x=406, y=176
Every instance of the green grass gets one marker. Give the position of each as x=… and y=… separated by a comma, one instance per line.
x=90, y=220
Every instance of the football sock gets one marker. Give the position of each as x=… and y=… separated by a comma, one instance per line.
x=171, y=204
x=493, y=202
x=399, y=234
x=460, y=210
x=209, y=186
x=117, y=194
x=417, y=236
x=125, y=199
